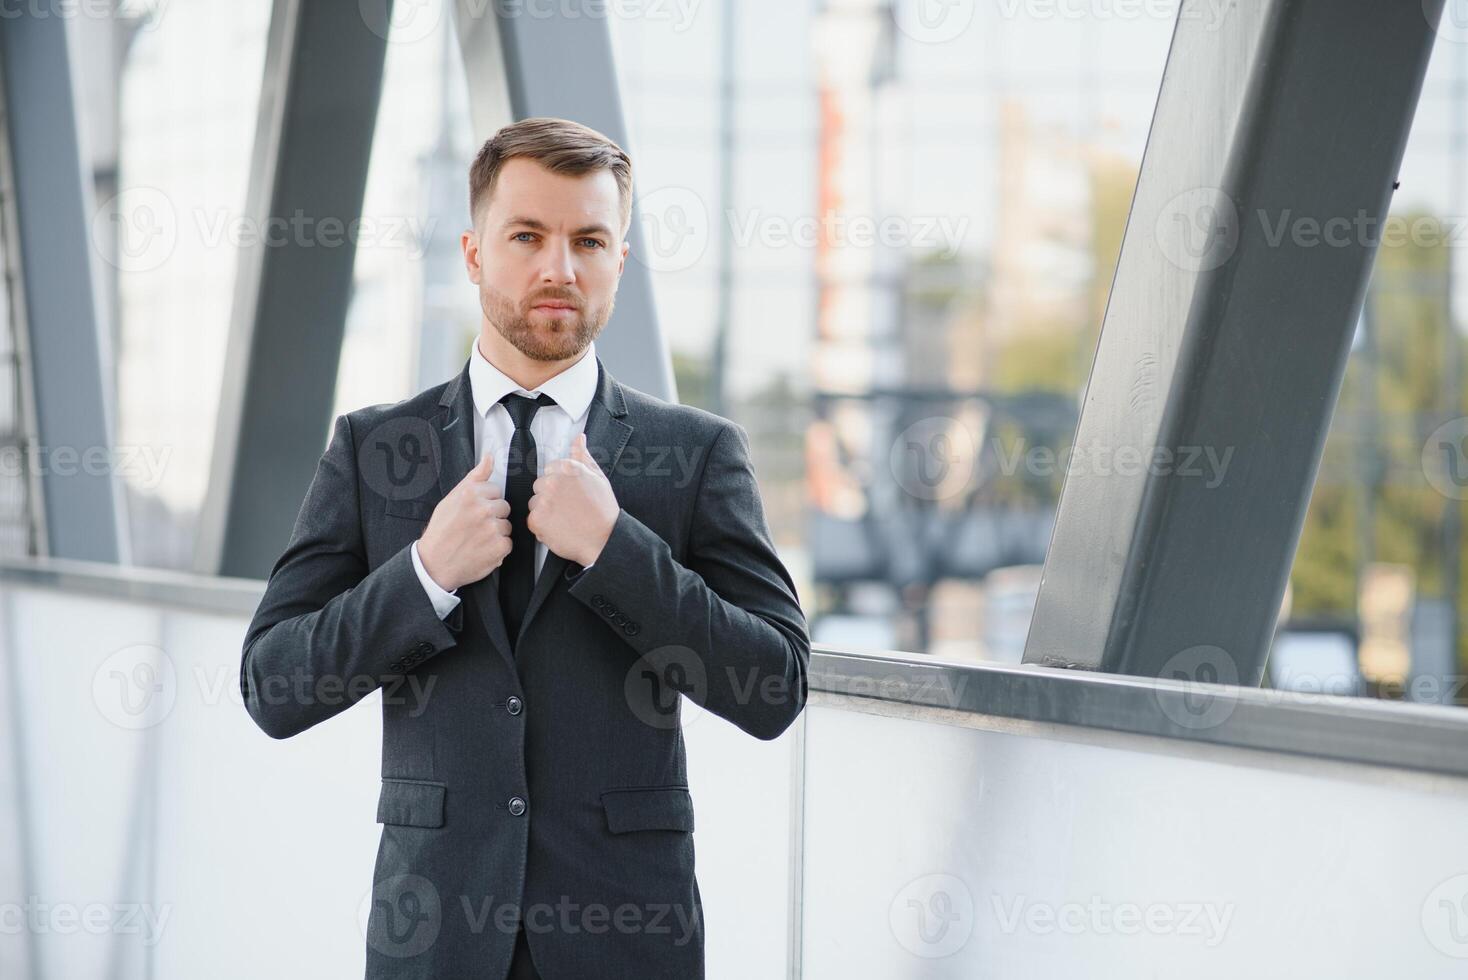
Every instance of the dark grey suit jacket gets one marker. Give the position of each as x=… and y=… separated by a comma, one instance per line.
x=548, y=785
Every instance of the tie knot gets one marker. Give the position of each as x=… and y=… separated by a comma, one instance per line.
x=523, y=409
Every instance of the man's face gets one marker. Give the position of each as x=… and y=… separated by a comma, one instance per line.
x=547, y=254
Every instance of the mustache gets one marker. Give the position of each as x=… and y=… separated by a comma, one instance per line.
x=553, y=298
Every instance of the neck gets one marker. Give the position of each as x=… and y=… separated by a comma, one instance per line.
x=527, y=372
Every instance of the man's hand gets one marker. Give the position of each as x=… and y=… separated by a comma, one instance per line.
x=573, y=508
x=468, y=535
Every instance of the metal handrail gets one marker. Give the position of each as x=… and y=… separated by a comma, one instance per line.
x=1428, y=738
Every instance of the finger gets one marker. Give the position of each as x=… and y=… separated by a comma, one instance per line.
x=482, y=469
x=487, y=490
x=579, y=450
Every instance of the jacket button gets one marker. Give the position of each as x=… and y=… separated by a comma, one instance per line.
x=631, y=629
x=423, y=649
x=514, y=706
x=598, y=601
x=517, y=805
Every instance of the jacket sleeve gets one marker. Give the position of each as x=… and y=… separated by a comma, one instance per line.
x=327, y=632
x=728, y=620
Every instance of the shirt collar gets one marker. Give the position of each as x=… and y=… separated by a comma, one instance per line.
x=572, y=389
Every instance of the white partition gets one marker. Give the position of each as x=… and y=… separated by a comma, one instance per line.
x=936, y=850
x=201, y=847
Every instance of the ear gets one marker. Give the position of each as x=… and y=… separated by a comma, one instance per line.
x=469, y=245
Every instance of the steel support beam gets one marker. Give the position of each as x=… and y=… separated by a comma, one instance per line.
x=64, y=326
x=318, y=109
x=559, y=62
x=1267, y=176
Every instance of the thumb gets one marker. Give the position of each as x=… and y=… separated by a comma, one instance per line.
x=580, y=451
x=483, y=468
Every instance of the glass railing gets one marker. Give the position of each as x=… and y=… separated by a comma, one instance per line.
x=921, y=819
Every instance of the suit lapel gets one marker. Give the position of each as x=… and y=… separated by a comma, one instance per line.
x=607, y=433
x=456, y=437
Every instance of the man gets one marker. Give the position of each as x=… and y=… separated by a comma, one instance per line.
x=531, y=634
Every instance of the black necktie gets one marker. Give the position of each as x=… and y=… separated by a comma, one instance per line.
x=517, y=573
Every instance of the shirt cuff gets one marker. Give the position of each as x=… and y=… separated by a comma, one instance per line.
x=443, y=602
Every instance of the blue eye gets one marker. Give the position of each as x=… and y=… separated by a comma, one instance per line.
x=521, y=234
x=596, y=243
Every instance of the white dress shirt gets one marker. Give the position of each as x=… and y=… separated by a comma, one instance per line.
x=553, y=428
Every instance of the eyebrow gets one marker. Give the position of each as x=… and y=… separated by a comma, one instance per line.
x=542, y=226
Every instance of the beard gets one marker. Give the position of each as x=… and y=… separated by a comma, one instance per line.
x=551, y=338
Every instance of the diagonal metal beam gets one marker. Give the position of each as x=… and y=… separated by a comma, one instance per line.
x=64, y=325
x=557, y=61
x=318, y=109
x=1267, y=176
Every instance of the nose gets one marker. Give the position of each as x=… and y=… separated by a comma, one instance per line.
x=558, y=267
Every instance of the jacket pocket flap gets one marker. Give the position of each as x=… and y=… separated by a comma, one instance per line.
x=412, y=803
x=415, y=508
x=648, y=808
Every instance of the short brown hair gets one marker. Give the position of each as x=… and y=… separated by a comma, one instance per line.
x=559, y=145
